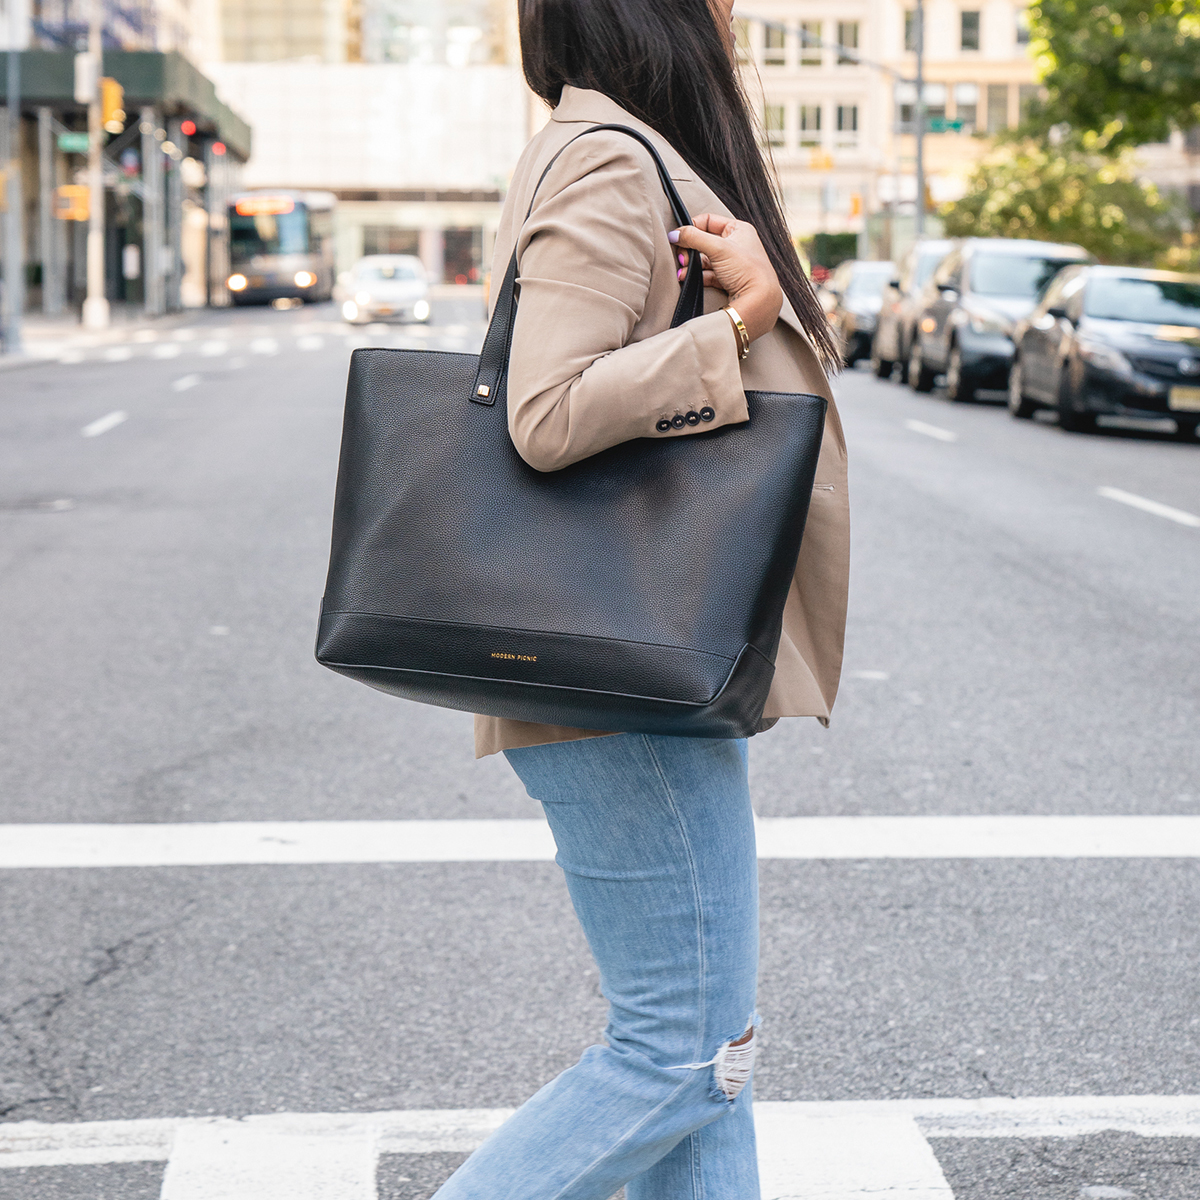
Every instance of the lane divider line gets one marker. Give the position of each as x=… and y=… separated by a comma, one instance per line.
x=933, y=431
x=1178, y=515
x=104, y=424
x=184, y=382
x=282, y=843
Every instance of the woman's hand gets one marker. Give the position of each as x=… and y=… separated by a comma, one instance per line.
x=734, y=261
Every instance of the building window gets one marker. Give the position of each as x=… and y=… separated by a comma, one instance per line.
x=847, y=124
x=810, y=124
x=775, y=47
x=935, y=106
x=910, y=30
x=1022, y=27
x=810, y=43
x=997, y=107
x=773, y=124
x=741, y=37
x=966, y=104
x=969, y=30
x=847, y=40
x=1027, y=94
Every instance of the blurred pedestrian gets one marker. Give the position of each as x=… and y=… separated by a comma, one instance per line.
x=655, y=834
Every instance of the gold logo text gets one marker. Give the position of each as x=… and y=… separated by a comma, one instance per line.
x=514, y=657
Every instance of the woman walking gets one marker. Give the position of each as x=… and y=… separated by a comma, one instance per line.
x=655, y=834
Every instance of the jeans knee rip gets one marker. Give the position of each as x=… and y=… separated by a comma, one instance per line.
x=731, y=1065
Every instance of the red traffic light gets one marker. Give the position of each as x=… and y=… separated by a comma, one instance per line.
x=218, y=148
x=188, y=128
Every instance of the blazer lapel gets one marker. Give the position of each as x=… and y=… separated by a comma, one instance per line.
x=580, y=106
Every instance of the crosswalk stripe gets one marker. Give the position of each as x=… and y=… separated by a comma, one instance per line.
x=230, y=843
x=832, y=1150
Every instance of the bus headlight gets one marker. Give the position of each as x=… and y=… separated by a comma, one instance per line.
x=350, y=310
x=304, y=278
x=421, y=310
x=236, y=283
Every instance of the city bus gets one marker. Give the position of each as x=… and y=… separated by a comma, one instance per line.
x=280, y=246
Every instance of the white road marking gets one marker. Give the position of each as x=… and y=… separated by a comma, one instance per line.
x=878, y=676
x=118, y=354
x=213, y=349
x=264, y=345
x=71, y=357
x=933, y=431
x=104, y=424
x=166, y=350
x=184, y=382
x=233, y=843
x=834, y=1150
x=310, y=341
x=1151, y=506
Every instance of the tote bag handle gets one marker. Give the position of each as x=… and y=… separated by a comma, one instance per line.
x=492, y=376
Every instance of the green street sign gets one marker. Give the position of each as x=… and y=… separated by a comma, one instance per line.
x=942, y=125
x=73, y=143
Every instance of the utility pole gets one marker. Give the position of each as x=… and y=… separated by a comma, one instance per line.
x=14, y=217
x=919, y=110
x=95, y=307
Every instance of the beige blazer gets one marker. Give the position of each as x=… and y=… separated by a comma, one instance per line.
x=594, y=362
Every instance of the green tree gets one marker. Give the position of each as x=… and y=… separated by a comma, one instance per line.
x=1067, y=193
x=1127, y=70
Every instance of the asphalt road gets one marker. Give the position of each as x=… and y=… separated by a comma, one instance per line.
x=1018, y=643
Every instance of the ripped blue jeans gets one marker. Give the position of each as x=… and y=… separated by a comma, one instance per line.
x=656, y=837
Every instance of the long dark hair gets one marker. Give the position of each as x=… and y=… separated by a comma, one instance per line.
x=667, y=62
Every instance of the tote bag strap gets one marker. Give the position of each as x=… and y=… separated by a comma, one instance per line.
x=493, y=358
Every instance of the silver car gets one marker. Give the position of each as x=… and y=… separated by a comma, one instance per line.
x=385, y=287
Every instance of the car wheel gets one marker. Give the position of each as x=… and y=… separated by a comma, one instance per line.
x=960, y=388
x=1185, y=431
x=883, y=367
x=1020, y=407
x=920, y=377
x=1069, y=417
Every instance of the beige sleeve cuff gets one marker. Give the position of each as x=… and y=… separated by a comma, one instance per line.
x=715, y=343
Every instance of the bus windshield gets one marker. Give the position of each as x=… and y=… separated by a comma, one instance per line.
x=271, y=233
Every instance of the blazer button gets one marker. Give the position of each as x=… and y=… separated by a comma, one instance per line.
x=693, y=418
x=707, y=414
x=664, y=426
x=678, y=421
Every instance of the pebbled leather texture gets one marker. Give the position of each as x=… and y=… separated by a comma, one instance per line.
x=641, y=590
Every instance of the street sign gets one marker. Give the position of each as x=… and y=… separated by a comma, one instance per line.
x=944, y=125
x=73, y=143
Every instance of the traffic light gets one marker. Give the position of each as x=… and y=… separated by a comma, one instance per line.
x=71, y=202
x=112, y=105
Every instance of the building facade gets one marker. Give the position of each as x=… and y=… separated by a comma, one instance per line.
x=412, y=112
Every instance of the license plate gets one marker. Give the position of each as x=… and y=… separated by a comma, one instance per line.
x=1184, y=399
x=386, y=310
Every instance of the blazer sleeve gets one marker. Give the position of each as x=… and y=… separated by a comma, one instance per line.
x=586, y=371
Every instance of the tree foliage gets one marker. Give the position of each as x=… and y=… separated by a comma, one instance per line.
x=1066, y=193
x=1127, y=70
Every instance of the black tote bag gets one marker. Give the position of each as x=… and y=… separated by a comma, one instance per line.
x=640, y=590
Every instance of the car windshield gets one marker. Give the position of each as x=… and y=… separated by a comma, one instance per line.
x=1152, y=301
x=1013, y=274
x=269, y=233
x=370, y=272
x=868, y=279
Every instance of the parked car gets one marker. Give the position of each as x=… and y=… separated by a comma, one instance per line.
x=851, y=299
x=1112, y=341
x=898, y=314
x=385, y=287
x=970, y=306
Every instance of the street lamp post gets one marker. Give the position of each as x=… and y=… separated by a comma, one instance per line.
x=95, y=307
x=14, y=217
x=919, y=112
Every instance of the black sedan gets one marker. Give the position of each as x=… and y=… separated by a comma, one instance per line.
x=851, y=299
x=978, y=293
x=1111, y=341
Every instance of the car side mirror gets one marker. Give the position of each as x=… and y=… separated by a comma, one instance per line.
x=950, y=295
x=1058, y=313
